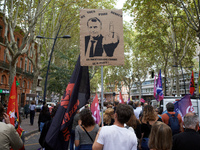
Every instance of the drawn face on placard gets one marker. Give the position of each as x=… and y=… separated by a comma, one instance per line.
x=94, y=27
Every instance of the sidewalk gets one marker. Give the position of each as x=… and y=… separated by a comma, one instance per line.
x=27, y=127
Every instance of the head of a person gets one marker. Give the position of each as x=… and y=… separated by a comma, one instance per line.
x=130, y=103
x=149, y=113
x=191, y=121
x=170, y=107
x=116, y=103
x=133, y=121
x=44, y=109
x=94, y=26
x=159, y=110
x=138, y=104
x=108, y=115
x=86, y=118
x=32, y=102
x=2, y=111
x=123, y=113
x=145, y=104
x=105, y=104
x=53, y=112
x=160, y=137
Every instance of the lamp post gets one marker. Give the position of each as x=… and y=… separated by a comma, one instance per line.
x=41, y=37
x=183, y=74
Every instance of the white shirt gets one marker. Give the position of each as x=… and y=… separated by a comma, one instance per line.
x=137, y=111
x=117, y=138
x=32, y=107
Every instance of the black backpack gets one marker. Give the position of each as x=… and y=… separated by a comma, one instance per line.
x=174, y=123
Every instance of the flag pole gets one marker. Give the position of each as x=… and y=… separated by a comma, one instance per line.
x=102, y=96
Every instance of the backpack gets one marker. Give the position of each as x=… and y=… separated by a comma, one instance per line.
x=174, y=123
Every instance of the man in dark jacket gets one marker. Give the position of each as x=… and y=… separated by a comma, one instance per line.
x=190, y=138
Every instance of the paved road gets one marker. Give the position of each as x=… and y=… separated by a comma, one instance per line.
x=31, y=142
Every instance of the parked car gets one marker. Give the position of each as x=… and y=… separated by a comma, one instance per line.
x=38, y=107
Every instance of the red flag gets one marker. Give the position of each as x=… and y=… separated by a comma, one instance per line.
x=142, y=100
x=192, y=88
x=95, y=109
x=12, y=110
x=120, y=98
x=12, y=102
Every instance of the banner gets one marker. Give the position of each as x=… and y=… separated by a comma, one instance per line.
x=159, y=91
x=76, y=95
x=101, y=37
x=95, y=109
x=192, y=86
x=120, y=98
x=183, y=106
x=154, y=90
x=142, y=100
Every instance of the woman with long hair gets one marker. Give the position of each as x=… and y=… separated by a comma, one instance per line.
x=135, y=124
x=43, y=117
x=160, y=137
x=148, y=119
x=86, y=132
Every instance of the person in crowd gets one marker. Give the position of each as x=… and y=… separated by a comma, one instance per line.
x=51, y=107
x=43, y=117
x=160, y=137
x=9, y=138
x=45, y=130
x=132, y=104
x=32, y=112
x=135, y=124
x=85, y=133
x=190, y=138
x=173, y=119
x=138, y=109
x=159, y=111
x=148, y=119
x=108, y=117
x=115, y=105
x=116, y=136
x=26, y=109
x=141, y=112
x=72, y=137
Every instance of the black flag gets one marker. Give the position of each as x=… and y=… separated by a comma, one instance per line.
x=76, y=95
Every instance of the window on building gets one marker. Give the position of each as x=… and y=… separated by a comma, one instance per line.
x=21, y=62
x=28, y=85
x=1, y=34
x=25, y=67
x=29, y=67
x=18, y=42
x=4, y=58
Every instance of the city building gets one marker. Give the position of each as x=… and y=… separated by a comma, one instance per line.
x=148, y=87
x=24, y=72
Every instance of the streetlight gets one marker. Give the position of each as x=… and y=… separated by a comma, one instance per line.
x=182, y=74
x=41, y=37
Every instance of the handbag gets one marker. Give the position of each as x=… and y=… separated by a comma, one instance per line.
x=88, y=134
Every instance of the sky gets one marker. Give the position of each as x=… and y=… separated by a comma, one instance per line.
x=119, y=5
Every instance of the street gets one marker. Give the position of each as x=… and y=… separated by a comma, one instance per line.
x=31, y=142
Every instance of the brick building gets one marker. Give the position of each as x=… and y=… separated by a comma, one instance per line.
x=24, y=71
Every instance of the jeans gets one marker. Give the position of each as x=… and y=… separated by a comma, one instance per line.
x=41, y=126
x=85, y=147
x=144, y=144
x=32, y=114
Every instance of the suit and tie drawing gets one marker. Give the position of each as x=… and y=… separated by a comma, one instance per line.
x=96, y=44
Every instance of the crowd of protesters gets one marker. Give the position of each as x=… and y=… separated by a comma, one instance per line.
x=132, y=126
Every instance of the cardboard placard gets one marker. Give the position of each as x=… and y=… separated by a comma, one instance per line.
x=101, y=37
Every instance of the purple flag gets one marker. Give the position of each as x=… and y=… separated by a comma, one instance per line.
x=183, y=106
x=159, y=91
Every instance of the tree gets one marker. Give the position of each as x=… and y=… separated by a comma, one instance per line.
x=16, y=15
x=160, y=35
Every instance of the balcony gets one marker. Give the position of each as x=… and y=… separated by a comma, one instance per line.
x=28, y=74
x=19, y=70
x=4, y=65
